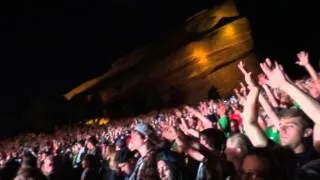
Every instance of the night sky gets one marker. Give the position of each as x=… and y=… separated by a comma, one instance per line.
x=50, y=47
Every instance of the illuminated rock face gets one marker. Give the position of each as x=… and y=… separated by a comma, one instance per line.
x=186, y=64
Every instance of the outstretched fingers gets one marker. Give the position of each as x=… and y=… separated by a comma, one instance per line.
x=242, y=68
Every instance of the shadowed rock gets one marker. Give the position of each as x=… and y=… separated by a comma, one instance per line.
x=190, y=61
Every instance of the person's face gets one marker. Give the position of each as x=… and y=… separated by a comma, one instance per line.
x=14, y=154
x=234, y=126
x=75, y=149
x=48, y=164
x=313, y=91
x=291, y=132
x=253, y=167
x=47, y=161
x=136, y=141
x=90, y=146
x=163, y=170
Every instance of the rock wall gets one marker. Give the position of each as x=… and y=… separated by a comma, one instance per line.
x=184, y=66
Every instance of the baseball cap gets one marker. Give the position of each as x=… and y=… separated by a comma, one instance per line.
x=121, y=141
x=147, y=131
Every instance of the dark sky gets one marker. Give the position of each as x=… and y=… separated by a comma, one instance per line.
x=50, y=46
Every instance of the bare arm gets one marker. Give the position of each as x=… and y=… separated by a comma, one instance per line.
x=304, y=61
x=269, y=111
x=250, y=120
x=309, y=106
x=270, y=96
x=278, y=79
x=187, y=130
x=250, y=112
x=206, y=122
x=262, y=81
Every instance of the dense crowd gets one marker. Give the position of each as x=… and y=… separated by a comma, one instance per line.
x=270, y=129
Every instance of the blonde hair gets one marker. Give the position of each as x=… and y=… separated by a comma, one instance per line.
x=113, y=165
x=111, y=158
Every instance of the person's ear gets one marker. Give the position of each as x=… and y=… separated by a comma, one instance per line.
x=307, y=132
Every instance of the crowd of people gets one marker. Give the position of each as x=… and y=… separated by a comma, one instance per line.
x=270, y=129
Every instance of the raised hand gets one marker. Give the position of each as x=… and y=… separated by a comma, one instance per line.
x=169, y=133
x=303, y=58
x=242, y=68
x=177, y=112
x=276, y=76
x=241, y=99
x=171, y=120
x=247, y=75
x=190, y=110
x=243, y=89
x=184, y=129
x=202, y=108
x=268, y=62
x=236, y=91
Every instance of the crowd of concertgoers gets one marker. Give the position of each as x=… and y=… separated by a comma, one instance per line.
x=270, y=129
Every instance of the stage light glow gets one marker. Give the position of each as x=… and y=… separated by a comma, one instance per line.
x=200, y=54
x=229, y=31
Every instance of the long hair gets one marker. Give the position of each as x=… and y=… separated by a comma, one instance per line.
x=113, y=165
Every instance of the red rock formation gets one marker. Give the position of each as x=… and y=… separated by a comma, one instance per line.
x=189, y=61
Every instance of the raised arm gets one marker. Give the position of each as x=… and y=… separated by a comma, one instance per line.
x=250, y=112
x=206, y=122
x=303, y=60
x=274, y=119
x=271, y=98
x=277, y=79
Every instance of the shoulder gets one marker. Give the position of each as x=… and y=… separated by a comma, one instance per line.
x=309, y=171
